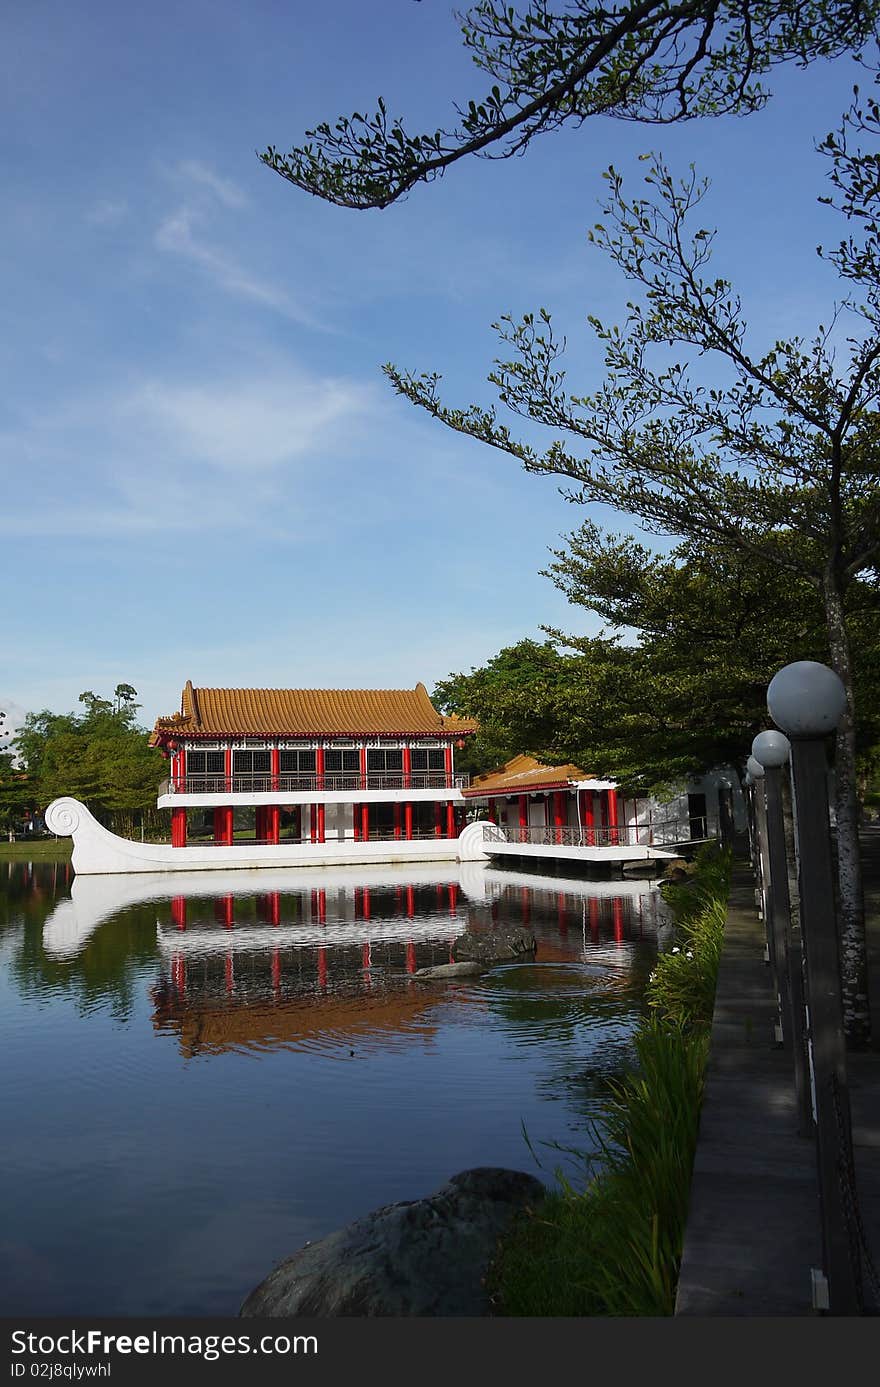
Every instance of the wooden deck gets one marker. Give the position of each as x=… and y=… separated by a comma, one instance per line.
x=753, y=1230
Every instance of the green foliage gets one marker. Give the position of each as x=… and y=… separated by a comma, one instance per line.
x=615, y=1248
x=654, y=61
x=99, y=756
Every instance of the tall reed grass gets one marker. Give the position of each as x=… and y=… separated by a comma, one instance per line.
x=614, y=1247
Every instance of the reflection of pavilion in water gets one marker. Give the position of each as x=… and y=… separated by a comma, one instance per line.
x=316, y=967
x=323, y=967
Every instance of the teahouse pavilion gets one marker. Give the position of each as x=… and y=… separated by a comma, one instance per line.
x=316, y=765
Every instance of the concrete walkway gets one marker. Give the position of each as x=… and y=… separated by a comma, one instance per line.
x=753, y=1230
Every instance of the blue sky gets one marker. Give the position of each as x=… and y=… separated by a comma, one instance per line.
x=204, y=473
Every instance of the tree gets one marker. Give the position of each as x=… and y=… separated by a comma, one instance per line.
x=646, y=60
x=777, y=460
x=100, y=756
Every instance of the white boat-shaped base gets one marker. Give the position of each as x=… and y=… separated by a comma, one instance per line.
x=97, y=851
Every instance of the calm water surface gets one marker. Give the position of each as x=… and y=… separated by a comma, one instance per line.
x=197, y=1084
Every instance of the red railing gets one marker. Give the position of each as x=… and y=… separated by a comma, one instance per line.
x=293, y=783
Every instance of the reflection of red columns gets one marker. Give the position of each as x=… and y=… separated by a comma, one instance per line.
x=450, y=819
x=407, y=768
x=613, y=835
x=447, y=766
x=525, y=904
x=321, y=822
x=313, y=823
x=224, y=910
x=366, y=903
x=397, y=818
x=410, y=901
x=560, y=913
x=230, y=973
x=269, y=908
x=365, y=821
x=453, y=897
x=178, y=828
x=438, y=825
x=273, y=823
x=523, y=817
x=178, y=974
x=368, y=960
x=275, y=755
x=407, y=820
x=319, y=767
x=594, y=920
x=276, y=970
x=322, y=968
x=617, y=913
x=410, y=956
x=322, y=906
x=178, y=912
x=493, y=911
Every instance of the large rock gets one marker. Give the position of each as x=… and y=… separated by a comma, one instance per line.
x=427, y=1257
x=494, y=946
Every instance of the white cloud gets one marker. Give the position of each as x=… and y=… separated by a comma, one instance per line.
x=223, y=188
x=168, y=455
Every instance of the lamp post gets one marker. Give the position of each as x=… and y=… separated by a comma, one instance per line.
x=773, y=750
x=756, y=771
x=807, y=700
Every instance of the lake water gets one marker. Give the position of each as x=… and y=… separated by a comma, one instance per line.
x=197, y=1084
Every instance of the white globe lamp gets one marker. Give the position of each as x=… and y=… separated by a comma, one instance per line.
x=806, y=699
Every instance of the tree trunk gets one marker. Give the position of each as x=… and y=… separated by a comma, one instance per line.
x=853, y=945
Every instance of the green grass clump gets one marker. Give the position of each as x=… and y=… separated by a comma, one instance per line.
x=614, y=1248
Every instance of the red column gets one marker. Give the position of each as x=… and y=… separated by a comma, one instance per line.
x=260, y=823
x=557, y=814
x=450, y=820
x=407, y=820
x=407, y=768
x=321, y=821
x=397, y=818
x=178, y=828
x=523, y=817
x=493, y=817
x=365, y=821
x=229, y=833
x=227, y=759
x=319, y=766
x=447, y=764
x=613, y=835
x=313, y=823
x=276, y=767
x=438, y=826
x=273, y=823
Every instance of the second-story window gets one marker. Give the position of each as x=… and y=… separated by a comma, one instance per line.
x=382, y=761
x=205, y=763
x=298, y=762
x=336, y=759
x=427, y=759
x=251, y=762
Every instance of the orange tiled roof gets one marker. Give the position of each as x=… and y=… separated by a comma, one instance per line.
x=522, y=775
x=308, y=713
